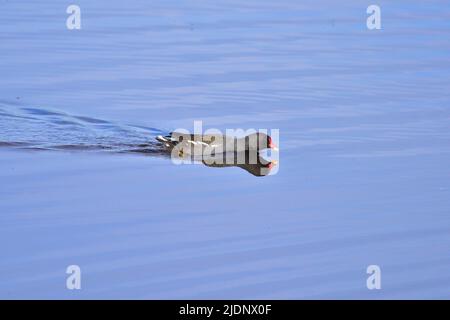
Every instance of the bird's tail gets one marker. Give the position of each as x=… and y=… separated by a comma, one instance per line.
x=168, y=140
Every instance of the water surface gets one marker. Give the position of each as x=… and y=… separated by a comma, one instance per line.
x=364, y=127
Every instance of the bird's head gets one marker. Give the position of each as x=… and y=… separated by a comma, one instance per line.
x=261, y=141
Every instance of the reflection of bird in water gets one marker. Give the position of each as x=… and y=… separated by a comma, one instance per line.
x=261, y=168
x=222, y=151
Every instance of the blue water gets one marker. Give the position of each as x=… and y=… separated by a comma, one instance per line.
x=363, y=174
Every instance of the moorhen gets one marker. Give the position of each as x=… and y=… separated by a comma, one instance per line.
x=217, y=143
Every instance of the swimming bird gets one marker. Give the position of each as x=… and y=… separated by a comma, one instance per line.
x=221, y=151
x=217, y=143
